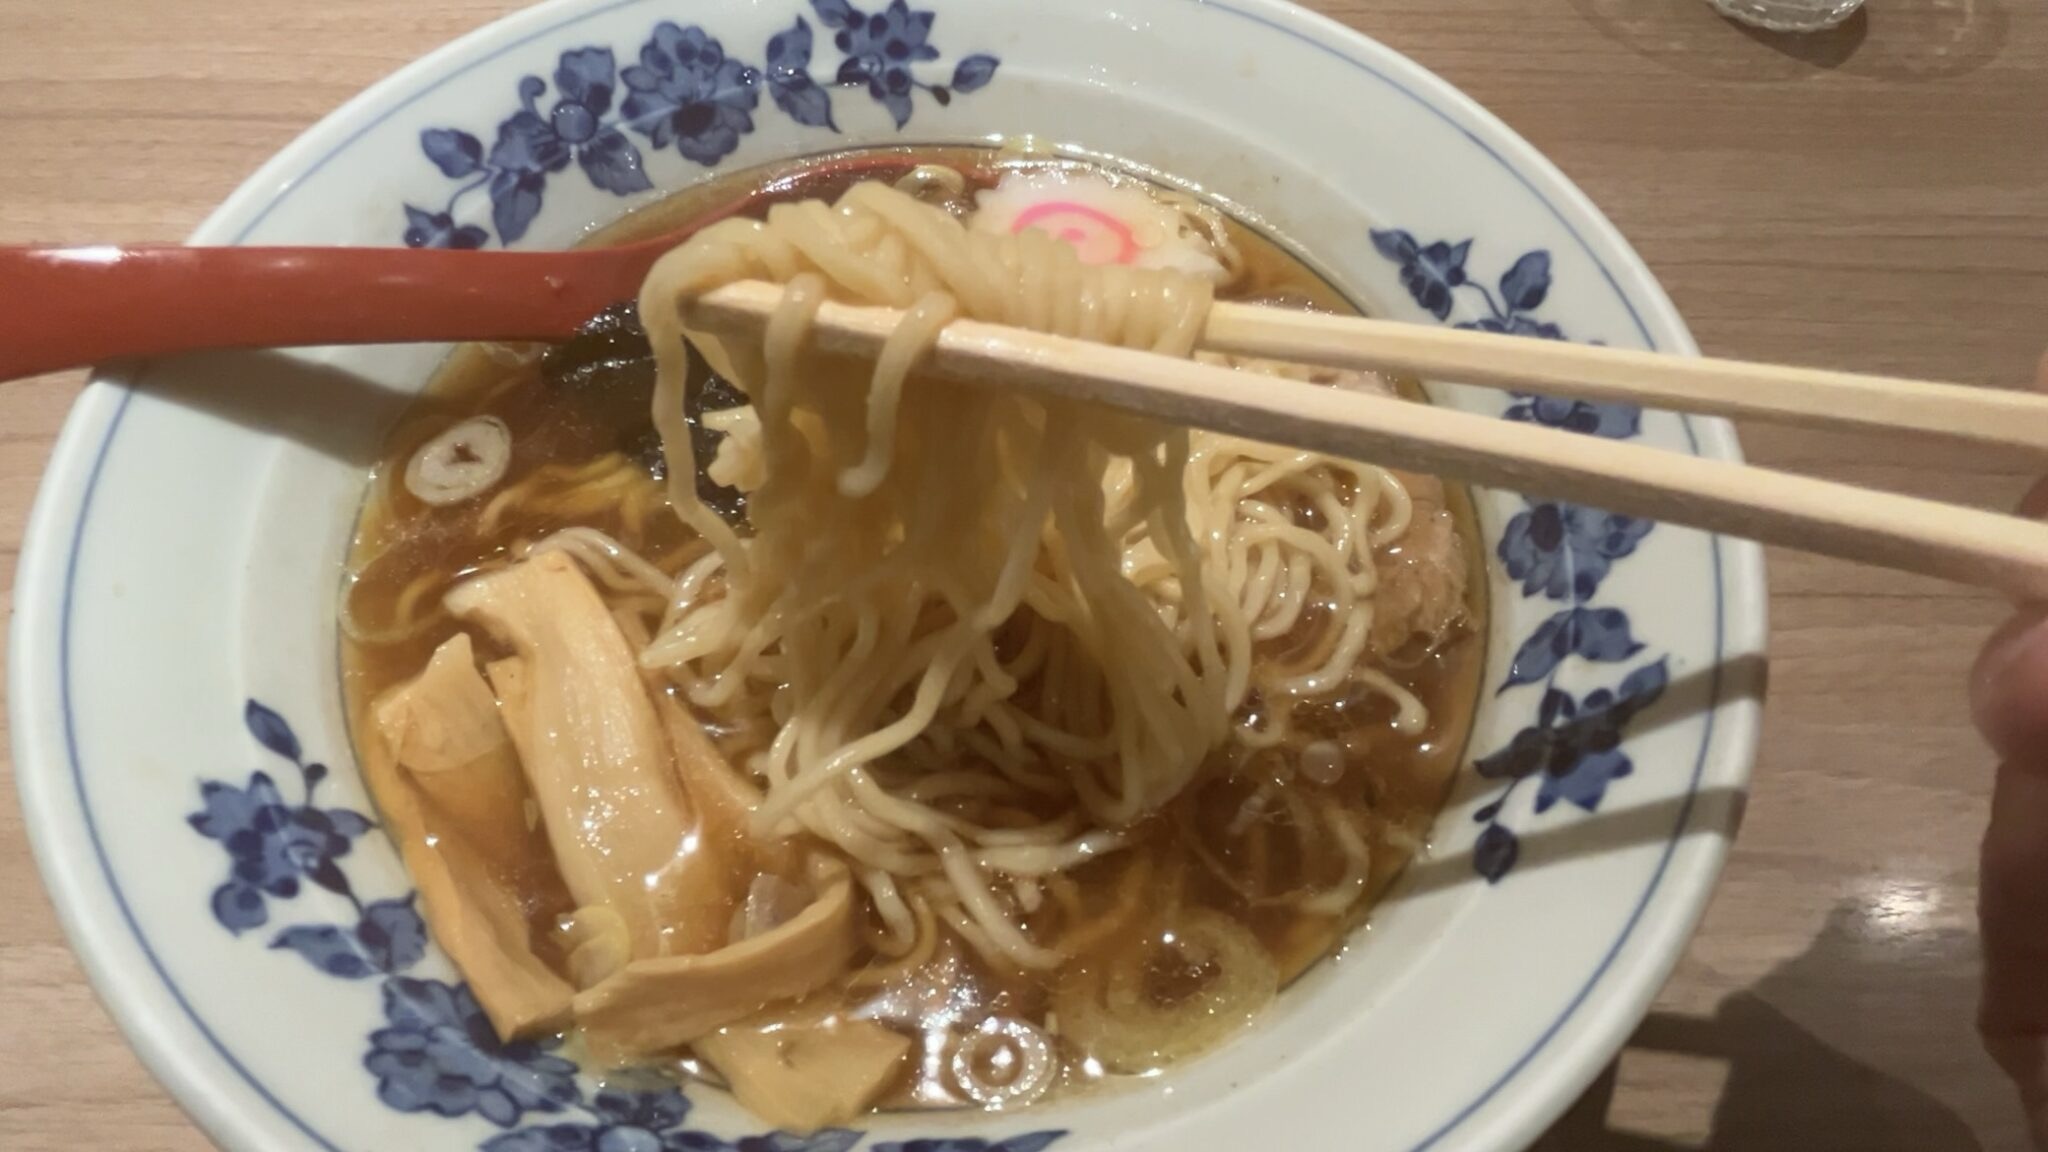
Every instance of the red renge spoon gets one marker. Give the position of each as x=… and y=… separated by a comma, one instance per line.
x=68, y=307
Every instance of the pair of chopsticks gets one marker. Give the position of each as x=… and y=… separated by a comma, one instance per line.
x=1966, y=545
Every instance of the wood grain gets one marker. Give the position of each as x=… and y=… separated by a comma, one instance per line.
x=1874, y=200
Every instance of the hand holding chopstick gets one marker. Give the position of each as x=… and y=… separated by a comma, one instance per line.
x=1911, y=534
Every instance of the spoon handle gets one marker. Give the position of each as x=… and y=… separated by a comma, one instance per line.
x=66, y=307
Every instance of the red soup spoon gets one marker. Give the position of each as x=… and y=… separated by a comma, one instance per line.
x=67, y=307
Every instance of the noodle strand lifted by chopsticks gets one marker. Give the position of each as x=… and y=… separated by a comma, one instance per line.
x=1067, y=596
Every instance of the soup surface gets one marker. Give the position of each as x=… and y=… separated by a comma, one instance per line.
x=1236, y=886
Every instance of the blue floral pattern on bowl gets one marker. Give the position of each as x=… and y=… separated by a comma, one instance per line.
x=435, y=1051
x=683, y=92
x=1554, y=551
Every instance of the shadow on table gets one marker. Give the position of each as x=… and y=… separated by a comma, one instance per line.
x=1787, y=1088
x=1926, y=39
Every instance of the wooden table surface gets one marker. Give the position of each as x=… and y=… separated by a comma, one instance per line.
x=1874, y=199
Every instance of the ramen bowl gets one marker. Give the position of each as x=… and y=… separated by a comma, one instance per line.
x=180, y=740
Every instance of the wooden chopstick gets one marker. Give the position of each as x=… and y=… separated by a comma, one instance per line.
x=1966, y=545
x=1800, y=396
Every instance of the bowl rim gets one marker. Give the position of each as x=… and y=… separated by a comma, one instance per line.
x=45, y=746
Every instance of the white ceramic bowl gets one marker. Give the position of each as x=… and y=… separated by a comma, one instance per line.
x=174, y=651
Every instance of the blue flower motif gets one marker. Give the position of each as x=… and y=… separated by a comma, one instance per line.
x=527, y=151
x=586, y=80
x=1575, y=745
x=893, y=37
x=527, y=144
x=972, y=72
x=651, y=1111
x=1611, y=421
x=439, y=1055
x=270, y=846
x=271, y=730
x=626, y=1122
x=1564, y=551
x=424, y=229
x=1497, y=849
x=789, y=78
x=531, y=146
x=686, y=91
x=1431, y=273
x=1525, y=286
x=389, y=938
x=1599, y=635
x=1515, y=325
x=880, y=48
x=1560, y=551
x=1585, y=783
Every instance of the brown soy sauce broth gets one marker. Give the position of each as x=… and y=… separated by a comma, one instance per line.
x=596, y=436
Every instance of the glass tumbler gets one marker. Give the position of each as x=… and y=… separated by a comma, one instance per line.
x=1789, y=15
